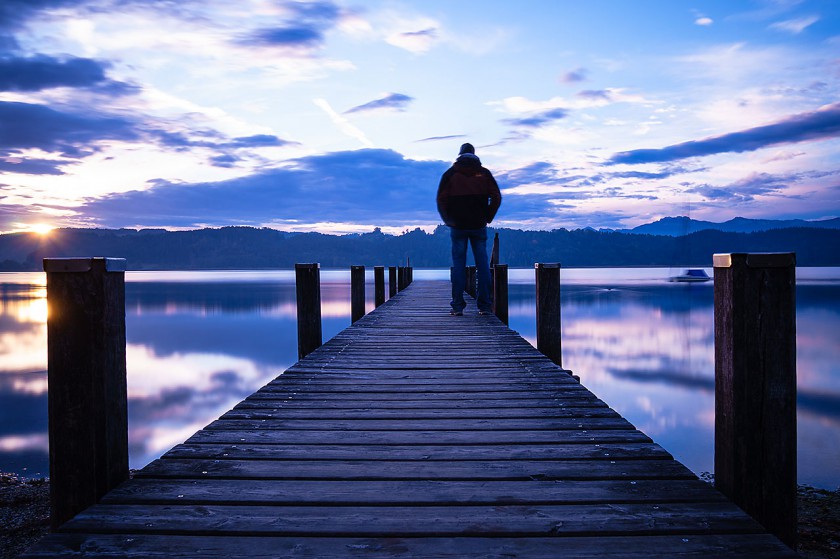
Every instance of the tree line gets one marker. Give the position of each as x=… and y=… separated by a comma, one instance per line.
x=253, y=248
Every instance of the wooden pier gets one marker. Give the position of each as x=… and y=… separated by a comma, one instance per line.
x=413, y=433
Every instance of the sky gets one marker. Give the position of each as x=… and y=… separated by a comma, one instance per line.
x=340, y=116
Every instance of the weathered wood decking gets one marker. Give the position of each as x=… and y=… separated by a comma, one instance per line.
x=417, y=434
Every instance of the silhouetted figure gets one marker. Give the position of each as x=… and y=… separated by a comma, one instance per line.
x=467, y=200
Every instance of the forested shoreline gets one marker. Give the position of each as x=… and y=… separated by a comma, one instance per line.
x=253, y=248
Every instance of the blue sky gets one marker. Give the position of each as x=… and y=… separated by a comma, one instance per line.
x=340, y=116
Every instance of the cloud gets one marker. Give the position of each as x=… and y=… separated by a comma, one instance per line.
x=41, y=72
x=304, y=29
x=596, y=94
x=396, y=101
x=14, y=12
x=795, y=26
x=369, y=185
x=574, y=76
x=703, y=21
x=824, y=123
x=538, y=119
x=442, y=138
x=344, y=125
x=747, y=188
x=298, y=37
x=417, y=42
x=77, y=135
x=27, y=125
x=31, y=166
x=403, y=29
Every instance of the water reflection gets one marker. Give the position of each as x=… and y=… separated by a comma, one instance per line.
x=199, y=342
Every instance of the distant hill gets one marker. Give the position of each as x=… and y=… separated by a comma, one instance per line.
x=251, y=248
x=682, y=225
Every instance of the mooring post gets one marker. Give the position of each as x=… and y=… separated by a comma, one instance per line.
x=378, y=285
x=755, y=386
x=471, y=281
x=548, y=310
x=357, y=293
x=494, y=259
x=308, y=289
x=392, y=281
x=500, y=292
x=87, y=398
x=402, y=277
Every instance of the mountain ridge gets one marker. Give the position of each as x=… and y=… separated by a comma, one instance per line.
x=683, y=225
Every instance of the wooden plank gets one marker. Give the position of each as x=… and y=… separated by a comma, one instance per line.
x=408, y=492
x=417, y=396
x=463, y=424
x=415, y=437
x=263, y=401
x=415, y=414
x=510, y=470
x=576, y=450
x=724, y=546
x=423, y=521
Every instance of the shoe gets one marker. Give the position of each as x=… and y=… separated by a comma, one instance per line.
x=453, y=312
x=485, y=313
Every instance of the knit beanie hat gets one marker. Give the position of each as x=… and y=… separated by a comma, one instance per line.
x=467, y=148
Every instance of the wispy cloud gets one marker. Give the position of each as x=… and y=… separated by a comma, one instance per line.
x=821, y=124
x=396, y=101
x=417, y=35
x=442, y=138
x=538, y=119
x=574, y=76
x=344, y=125
x=795, y=26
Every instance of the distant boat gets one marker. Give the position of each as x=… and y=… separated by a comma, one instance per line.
x=692, y=275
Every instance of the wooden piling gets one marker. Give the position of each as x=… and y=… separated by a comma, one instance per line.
x=308, y=289
x=755, y=386
x=471, y=279
x=392, y=281
x=378, y=285
x=548, y=310
x=500, y=292
x=87, y=399
x=357, y=293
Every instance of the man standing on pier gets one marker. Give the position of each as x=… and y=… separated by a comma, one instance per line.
x=467, y=200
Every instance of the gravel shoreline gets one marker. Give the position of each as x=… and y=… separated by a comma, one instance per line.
x=25, y=518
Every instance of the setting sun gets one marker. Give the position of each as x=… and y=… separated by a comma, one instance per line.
x=41, y=228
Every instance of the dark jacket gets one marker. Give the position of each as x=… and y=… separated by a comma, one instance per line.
x=468, y=196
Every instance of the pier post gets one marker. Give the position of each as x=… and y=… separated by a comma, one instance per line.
x=357, y=293
x=308, y=289
x=378, y=285
x=548, y=310
x=87, y=398
x=471, y=281
x=392, y=281
x=500, y=292
x=755, y=386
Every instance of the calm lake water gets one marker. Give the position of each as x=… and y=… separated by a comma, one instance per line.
x=199, y=342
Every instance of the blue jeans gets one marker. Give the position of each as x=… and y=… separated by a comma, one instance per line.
x=478, y=239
